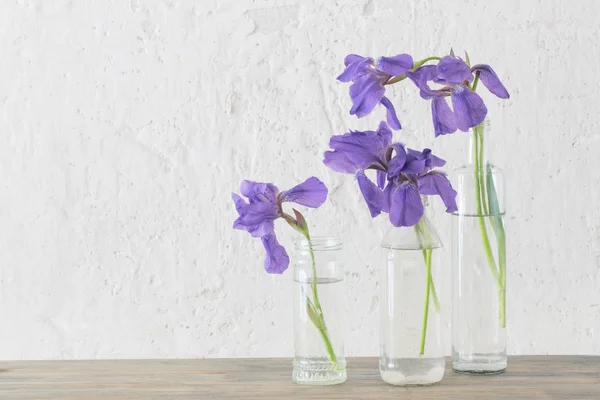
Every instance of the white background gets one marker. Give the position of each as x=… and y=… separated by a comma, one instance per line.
x=125, y=126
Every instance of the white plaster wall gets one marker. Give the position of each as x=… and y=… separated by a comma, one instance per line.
x=125, y=125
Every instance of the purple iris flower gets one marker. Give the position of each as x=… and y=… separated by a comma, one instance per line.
x=264, y=206
x=468, y=107
x=368, y=83
x=407, y=174
x=411, y=174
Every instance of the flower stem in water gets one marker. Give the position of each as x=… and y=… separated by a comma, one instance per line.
x=427, y=290
x=483, y=211
x=421, y=230
x=314, y=307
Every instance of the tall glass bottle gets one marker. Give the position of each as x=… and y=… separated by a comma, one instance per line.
x=411, y=344
x=479, y=263
x=319, y=311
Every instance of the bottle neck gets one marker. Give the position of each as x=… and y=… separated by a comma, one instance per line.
x=478, y=144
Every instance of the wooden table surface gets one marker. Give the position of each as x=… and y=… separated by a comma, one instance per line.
x=529, y=377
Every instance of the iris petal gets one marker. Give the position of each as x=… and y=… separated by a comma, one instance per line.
x=437, y=183
x=397, y=162
x=420, y=77
x=431, y=161
x=491, y=81
x=381, y=179
x=392, y=118
x=253, y=190
x=277, y=259
x=366, y=92
x=356, y=150
x=469, y=109
x=372, y=194
x=339, y=162
x=396, y=65
x=239, y=206
x=453, y=70
x=355, y=67
x=406, y=207
x=258, y=218
x=310, y=193
x=414, y=166
x=444, y=120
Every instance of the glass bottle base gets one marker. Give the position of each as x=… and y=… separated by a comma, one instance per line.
x=479, y=364
x=317, y=371
x=412, y=371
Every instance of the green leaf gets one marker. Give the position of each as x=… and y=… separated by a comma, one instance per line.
x=494, y=207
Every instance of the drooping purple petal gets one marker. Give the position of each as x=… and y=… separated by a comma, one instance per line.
x=239, y=207
x=420, y=77
x=406, y=207
x=310, y=193
x=491, y=81
x=437, y=183
x=392, y=118
x=381, y=179
x=366, y=92
x=469, y=108
x=397, y=162
x=396, y=65
x=258, y=191
x=277, y=259
x=356, y=150
x=372, y=194
x=452, y=71
x=444, y=120
x=355, y=66
x=387, y=194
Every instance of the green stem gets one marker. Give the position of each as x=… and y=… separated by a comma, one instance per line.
x=475, y=82
x=478, y=130
x=314, y=272
x=481, y=218
x=416, y=66
x=482, y=200
x=427, y=290
x=436, y=300
x=501, y=239
x=317, y=317
x=423, y=232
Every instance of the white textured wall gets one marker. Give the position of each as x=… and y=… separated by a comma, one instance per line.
x=125, y=125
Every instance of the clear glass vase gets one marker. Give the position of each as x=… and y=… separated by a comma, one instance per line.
x=479, y=263
x=411, y=340
x=319, y=310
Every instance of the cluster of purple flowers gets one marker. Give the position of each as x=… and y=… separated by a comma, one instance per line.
x=369, y=79
x=403, y=175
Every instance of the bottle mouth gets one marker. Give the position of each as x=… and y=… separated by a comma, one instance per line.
x=319, y=243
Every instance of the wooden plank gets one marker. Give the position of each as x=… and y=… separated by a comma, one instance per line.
x=528, y=377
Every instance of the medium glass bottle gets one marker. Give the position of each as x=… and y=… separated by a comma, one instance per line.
x=479, y=263
x=319, y=310
x=411, y=340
